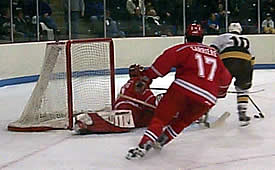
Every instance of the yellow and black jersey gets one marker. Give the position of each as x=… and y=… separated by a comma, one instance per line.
x=230, y=45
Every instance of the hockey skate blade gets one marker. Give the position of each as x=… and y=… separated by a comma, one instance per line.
x=219, y=121
x=244, y=124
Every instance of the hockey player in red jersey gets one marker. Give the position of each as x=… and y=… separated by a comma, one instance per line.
x=134, y=111
x=200, y=79
x=136, y=89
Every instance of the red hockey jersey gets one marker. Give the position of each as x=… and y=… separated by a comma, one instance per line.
x=200, y=73
x=129, y=90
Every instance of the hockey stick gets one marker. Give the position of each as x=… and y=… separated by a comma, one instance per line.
x=158, y=88
x=260, y=114
x=215, y=123
x=137, y=101
x=250, y=92
x=256, y=91
x=219, y=121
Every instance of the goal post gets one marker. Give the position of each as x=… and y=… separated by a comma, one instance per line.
x=76, y=76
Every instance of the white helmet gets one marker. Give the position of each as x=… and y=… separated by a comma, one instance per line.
x=235, y=27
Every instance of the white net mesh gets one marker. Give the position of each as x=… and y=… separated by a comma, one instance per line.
x=91, y=86
x=91, y=76
x=47, y=104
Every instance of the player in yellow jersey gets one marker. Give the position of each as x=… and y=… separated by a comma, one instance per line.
x=235, y=52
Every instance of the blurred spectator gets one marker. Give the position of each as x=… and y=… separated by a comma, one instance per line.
x=112, y=28
x=221, y=16
x=29, y=8
x=21, y=24
x=16, y=4
x=149, y=5
x=269, y=7
x=118, y=9
x=94, y=10
x=5, y=26
x=213, y=25
x=153, y=25
x=45, y=13
x=239, y=10
x=131, y=5
x=205, y=7
x=135, y=27
x=268, y=25
x=166, y=11
x=77, y=11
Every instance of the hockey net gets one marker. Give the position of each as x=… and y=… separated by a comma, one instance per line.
x=76, y=76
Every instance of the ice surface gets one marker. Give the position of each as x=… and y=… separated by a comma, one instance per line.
x=228, y=147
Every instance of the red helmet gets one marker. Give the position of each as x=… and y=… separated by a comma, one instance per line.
x=194, y=30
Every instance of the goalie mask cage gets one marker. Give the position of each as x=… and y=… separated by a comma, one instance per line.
x=76, y=77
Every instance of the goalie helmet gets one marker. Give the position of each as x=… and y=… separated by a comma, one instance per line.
x=135, y=70
x=235, y=27
x=194, y=33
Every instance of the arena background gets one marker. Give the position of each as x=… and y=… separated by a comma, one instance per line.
x=21, y=63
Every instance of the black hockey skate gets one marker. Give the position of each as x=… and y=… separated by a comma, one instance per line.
x=135, y=153
x=244, y=119
x=139, y=152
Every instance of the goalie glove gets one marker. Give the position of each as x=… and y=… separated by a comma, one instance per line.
x=142, y=83
x=140, y=86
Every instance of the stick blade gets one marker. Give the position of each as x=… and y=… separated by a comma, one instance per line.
x=220, y=120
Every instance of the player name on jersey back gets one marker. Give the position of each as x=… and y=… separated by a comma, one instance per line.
x=201, y=49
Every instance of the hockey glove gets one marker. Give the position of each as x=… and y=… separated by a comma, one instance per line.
x=142, y=84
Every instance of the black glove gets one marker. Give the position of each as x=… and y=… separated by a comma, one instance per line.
x=140, y=86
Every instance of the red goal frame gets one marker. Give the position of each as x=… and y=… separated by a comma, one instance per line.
x=69, y=74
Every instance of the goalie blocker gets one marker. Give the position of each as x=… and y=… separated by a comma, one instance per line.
x=115, y=121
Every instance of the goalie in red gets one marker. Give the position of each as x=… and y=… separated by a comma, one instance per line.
x=200, y=79
x=133, y=108
x=136, y=89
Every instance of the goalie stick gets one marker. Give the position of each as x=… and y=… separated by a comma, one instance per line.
x=137, y=101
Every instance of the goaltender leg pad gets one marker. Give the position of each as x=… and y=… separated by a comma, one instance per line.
x=115, y=121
